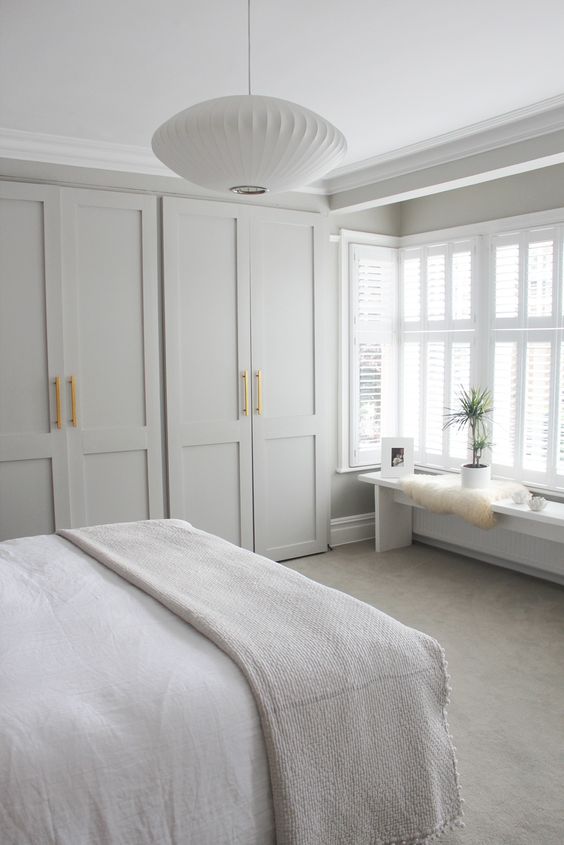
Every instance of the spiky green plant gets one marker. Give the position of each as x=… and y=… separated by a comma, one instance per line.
x=474, y=409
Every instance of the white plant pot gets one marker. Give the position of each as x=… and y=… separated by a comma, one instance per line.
x=475, y=478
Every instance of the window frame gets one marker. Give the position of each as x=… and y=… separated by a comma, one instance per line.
x=347, y=239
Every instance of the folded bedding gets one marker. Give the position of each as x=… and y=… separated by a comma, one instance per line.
x=351, y=702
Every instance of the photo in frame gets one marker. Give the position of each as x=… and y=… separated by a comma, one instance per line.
x=397, y=456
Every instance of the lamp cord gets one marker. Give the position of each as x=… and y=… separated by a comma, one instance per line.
x=249, y=42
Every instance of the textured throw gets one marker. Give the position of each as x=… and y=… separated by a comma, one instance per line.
x=352, y=703
x=443, y=494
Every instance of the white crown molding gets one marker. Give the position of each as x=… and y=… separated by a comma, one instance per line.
x=79, y=152
x=522, y=124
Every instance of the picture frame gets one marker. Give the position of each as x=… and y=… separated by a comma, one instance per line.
x=397, y=457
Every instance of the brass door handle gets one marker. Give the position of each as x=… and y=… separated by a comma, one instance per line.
x=245, y=377
x=74, y=418
x=58, y=402
x=259, y=392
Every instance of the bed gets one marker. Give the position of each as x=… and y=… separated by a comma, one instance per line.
x=121, y=724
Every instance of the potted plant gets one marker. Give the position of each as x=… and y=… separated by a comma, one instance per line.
x=475, y=406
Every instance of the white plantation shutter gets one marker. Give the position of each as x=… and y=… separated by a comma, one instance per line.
x=539, y=279
x=434, y=405
x=373, y=281
x=460, y=358
x=507, y=280
x=561, y=274
x=527, y=380
x=436, y=284
x=462, y=284
x=536, y=406
x=411, y=391
x=505, y=403
x=372, y=286
x=411, y=283
x=436, y=345
x=370, y=372
x=560, y=429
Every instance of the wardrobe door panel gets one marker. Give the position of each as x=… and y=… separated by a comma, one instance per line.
x=206, y=290
x=112, y=313
x=26, y=498
x=290, y=478
x=23, y=314
x=116, y=486
x=286, y=321
x=109, y=277
x=207, y=254
x=291, y=482
x=34, y=496
x=211, y=477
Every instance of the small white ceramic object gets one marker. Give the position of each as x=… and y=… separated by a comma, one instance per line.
x=521, y=497
x=537, y=503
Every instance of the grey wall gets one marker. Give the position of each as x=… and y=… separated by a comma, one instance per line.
x=537, y=190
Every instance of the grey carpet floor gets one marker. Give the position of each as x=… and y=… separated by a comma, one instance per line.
x=503, y=633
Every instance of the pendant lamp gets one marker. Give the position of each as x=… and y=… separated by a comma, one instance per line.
x=249, y=144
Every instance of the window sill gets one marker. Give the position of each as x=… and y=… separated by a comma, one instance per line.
x=363, y=468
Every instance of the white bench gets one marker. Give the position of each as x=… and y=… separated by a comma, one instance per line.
x=393, y=515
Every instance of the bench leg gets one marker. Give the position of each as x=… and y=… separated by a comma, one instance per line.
x=393, y=523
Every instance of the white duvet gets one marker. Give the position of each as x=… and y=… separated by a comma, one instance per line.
x=119, y=723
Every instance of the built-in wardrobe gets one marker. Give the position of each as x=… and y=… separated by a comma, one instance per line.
x=161, y=361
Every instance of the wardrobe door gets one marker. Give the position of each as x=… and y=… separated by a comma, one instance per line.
x=206, y=291
x=34, y=497
x=112, y=344
x=291, y=482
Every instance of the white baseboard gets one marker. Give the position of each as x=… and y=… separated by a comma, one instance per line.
x=351, y=529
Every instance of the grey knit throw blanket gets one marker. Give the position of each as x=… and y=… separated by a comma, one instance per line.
x=352, y=702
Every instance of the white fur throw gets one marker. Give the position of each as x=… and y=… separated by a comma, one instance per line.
x=352, y=702
x=443, y=494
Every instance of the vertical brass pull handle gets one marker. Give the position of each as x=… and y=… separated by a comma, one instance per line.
x=245, y=377
x=74, y=418
x=58, y=402
x=259, y=392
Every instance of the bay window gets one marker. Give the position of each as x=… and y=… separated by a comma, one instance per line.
x=425, y=319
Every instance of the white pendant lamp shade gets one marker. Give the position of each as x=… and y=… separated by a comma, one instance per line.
x=249, y=144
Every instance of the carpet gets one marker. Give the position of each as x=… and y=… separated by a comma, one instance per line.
x=503, y=633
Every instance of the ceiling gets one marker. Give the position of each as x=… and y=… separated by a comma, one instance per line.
x=388, y=73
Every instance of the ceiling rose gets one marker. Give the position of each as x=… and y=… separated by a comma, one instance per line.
x=249, y=144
